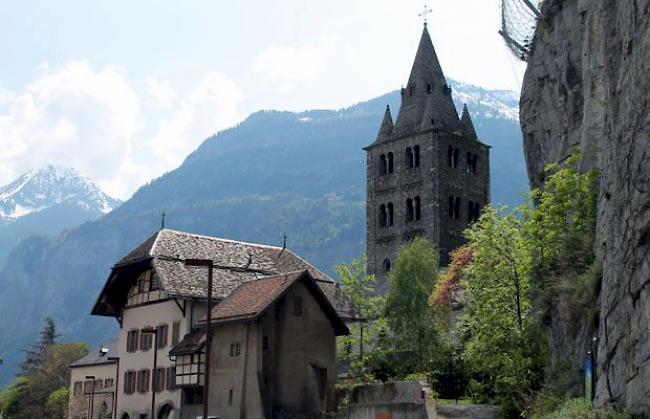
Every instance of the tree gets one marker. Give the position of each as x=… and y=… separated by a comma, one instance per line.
x=35, y=356
x=57, y=403
x=515, y=254
x=447, y=289
x=37, y=393
x=356, y=348
x=500, y=343
x=408, y=315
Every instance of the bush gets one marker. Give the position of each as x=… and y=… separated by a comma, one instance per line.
x=580, y=409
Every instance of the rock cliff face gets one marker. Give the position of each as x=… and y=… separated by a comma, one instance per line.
x=588, y=85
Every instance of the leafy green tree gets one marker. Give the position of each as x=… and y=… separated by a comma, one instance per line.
x=37, y=393
x=11, y=398
x=358, y=348
x=56, y=404
x=409, y=317
x=500, y=344
x=515, y=256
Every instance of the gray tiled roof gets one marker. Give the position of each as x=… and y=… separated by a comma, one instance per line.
x=94, y=357
x=234, y=264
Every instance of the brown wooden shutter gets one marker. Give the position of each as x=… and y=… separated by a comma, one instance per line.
x=176, y=332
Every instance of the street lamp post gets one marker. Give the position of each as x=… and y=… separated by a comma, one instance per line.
x=116, y=385
x=154, y=332
x=208, y=332
x=92, y=396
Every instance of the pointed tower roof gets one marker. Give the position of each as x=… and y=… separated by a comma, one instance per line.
x=427, y=97
x=386, y=128
x=467, y=126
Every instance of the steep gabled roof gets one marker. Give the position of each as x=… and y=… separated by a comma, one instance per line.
x=467, y=125
x=234, y=264
x=386, y=128
x=427, y=96
x=252, y=299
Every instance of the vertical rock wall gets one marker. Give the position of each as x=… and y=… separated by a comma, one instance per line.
x=588, y=85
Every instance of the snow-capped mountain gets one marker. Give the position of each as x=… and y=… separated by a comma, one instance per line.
x=38, y=190
x=45, y=202
x=486, y=103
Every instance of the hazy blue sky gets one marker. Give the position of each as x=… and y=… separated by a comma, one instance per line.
x=124, y=90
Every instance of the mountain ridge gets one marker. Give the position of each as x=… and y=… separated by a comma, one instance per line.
x=275, y=173
x=48, y=201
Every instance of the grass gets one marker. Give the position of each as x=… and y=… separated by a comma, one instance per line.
x=452, y=401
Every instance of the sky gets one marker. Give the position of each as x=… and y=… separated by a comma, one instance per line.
x=123, y=90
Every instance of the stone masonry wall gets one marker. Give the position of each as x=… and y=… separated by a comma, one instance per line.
x=587, y=85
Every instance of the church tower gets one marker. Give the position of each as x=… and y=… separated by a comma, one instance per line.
x=427, y=173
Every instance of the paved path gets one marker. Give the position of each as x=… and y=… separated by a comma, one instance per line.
x=466, y=411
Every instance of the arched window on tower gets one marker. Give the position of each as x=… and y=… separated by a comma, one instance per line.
x=390, y=214
x=451, y=207
x=383, y=165
x=469, y=162
x=456, y=152
x=410, y=212
x=477, y=211
x=383, y=216
x=390, y=162
x=470, y=211
x=416, y=205
x=474, y=163
x=429, y=89
x=409, y=157
x=386, y=266
x=411, y=90
x=457, y=208
x=416, y=156
x=450, y=156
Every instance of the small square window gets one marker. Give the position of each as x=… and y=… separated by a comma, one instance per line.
x=265, y=343
x=235, y=349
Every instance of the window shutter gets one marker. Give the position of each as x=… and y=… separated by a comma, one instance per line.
x=176, y=332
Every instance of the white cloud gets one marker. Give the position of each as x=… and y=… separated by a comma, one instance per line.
x=92, y=120
x=161, y=93
x=288, y=63
x=72, y=116
x=211, y=106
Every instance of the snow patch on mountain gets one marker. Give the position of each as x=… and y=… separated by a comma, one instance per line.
x=40, y=189
x=501, y=104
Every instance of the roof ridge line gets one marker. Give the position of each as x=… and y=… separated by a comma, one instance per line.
x=309, y=265
x=269, y=246
x=155, y=243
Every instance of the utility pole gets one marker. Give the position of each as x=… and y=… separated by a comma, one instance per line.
x=92, y=396
x=153, y=331
x=208, y=333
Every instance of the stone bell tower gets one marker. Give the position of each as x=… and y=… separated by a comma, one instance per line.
x=427, y=173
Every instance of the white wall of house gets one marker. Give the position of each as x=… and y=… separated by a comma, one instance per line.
x=140, y=317
x=79, y=403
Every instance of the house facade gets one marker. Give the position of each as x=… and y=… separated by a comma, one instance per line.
x=273, y=351
x=93, y=384
x=159, y=302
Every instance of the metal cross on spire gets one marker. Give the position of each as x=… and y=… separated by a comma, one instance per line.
x=427, y=11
